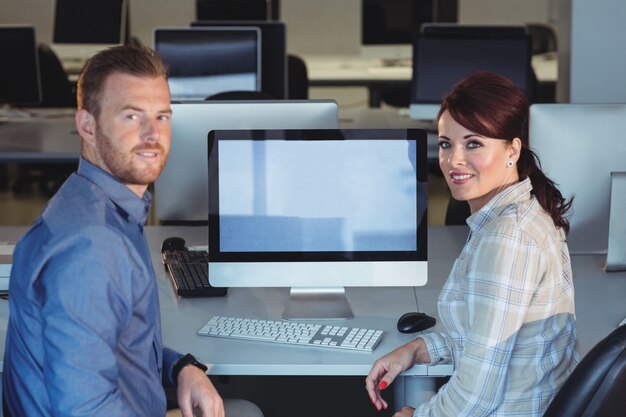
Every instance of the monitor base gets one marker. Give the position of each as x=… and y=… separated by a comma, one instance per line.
x=317, y=304
x=616, y=252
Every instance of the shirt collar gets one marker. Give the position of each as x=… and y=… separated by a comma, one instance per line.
x=111, y=187
x=500, y=202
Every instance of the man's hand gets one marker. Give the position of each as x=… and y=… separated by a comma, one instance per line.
x=196, y=390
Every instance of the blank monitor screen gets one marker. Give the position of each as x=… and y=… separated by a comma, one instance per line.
x=273, y=53
x=317, y=208
x=89, y=22
x=579, y=145
x=444, y=54
x=19, y=70
x=181, y=191
x=205, y=61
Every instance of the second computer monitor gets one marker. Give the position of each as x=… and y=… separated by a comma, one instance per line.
x=181, y=190
x=205, y=61
x=82, y=28
x=444, y=54
x=579, y=146
x=19, y=68
x=273, y=52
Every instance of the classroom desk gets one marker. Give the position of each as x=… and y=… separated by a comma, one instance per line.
x=49, y=135
x=599, y=307
x=347, y=71
x=390, y=118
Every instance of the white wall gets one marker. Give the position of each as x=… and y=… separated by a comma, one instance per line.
x=598, y=57
x=313, y=26
x=503, y=11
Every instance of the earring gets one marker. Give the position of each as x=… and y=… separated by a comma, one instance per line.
x=509, y=164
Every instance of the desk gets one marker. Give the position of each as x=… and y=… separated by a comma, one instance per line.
x=599, y=306
x=390, y=118
x=49, y=135
x=333, y=71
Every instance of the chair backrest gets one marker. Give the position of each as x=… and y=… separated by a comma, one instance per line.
x=543, y=38
x=56, y=89
x=297, y=78
x=457, y=213
x=597, y=387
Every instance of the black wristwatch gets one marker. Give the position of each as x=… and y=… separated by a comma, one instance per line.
x=188, y=359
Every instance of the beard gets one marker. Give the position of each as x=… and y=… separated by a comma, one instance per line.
x=127, y=166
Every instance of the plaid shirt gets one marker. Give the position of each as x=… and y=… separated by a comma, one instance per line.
x=508, y=313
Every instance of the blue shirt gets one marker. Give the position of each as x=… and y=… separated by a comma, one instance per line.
x=84, y=333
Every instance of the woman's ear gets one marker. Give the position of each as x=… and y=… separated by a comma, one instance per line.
x=86, y=126
x=515, y=149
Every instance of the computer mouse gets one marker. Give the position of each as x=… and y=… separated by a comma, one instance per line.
x=173, y=243
x=415, y=322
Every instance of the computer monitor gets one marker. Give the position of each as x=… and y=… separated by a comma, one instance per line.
x=317, y=211
x=234, y=9
x=83, y=28
x=444, y=54
x=388, y=27
x=204, y=61
x=181, y=189
x=273, y=52
x=20, y=83
x=579, y=146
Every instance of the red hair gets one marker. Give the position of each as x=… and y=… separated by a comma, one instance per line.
x=492, y=105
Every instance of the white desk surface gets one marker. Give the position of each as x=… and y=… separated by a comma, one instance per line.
x=599, y=308
x=389, y=118
x=329, y=69
x=49, y=135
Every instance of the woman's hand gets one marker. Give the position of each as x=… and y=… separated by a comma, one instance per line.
x=387, y=368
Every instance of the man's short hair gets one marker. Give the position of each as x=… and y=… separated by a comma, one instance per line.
x=138, y=61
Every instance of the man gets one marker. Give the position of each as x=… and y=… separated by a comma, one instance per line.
x=84, y=335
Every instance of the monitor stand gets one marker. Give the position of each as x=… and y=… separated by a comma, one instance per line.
x=317, y=304
x=616, y=253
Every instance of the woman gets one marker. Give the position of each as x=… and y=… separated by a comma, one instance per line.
x=507, y=308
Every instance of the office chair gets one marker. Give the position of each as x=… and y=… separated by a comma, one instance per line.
x=597, y=387
x=457, y=213
x=56, y=89
x=543, y=38
x=297, y=78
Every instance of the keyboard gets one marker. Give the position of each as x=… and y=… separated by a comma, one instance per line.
x=188, y=271
x=293, y=333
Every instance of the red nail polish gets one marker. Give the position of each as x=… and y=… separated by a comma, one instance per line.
x=382, y=385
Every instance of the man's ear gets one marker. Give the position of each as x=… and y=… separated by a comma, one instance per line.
x=86, y=126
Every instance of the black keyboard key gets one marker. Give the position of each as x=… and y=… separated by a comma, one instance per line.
x=188, y=271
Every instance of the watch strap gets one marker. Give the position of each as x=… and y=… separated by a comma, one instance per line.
x=186, y=360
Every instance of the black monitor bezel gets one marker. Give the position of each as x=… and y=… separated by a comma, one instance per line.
x=273, y=52
x=214, y=136
x=60, y=24
x=28, y=47
x=455, y=32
